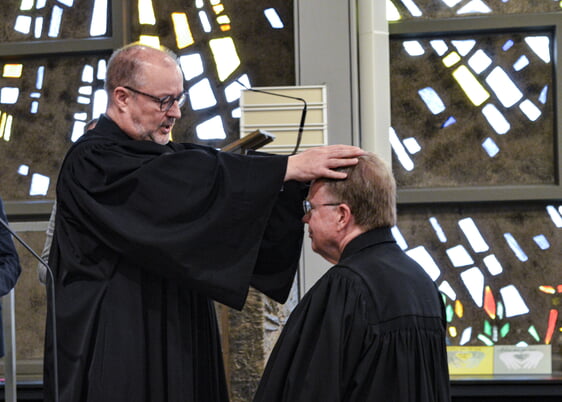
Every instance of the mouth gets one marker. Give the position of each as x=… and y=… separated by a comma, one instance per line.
x=167, y=127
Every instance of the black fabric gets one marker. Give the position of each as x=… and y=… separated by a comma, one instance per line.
x=371, y=329
x=10, y=268
x=146, y=235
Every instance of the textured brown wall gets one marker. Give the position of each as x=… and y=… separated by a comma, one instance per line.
x=248, y=339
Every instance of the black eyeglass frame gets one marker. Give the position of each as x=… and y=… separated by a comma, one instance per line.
x=307, y=206
x=167, y=100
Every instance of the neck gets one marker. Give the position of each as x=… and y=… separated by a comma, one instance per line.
x=348, y=236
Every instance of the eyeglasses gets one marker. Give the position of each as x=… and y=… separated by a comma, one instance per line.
x=307, y=206
x=166, y=102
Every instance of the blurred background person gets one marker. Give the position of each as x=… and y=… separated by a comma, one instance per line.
x=10, y=268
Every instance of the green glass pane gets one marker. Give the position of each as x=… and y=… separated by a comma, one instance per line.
x=534, y=333
x=449, y=313
x=487, y=328
x=484, y=339
x=504, y=330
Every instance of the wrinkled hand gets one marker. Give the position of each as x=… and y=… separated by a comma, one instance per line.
x=318, y=162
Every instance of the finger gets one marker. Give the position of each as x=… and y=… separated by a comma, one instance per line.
x=332, y=174
x=344, y=151
x=336, y=163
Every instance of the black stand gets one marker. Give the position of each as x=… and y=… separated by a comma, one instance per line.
x=256, y=139
x=51, y=287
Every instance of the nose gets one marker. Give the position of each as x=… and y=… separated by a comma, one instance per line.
x=174, y=111
x=306, y=218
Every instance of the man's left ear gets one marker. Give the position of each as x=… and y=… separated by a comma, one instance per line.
x=121, y=97
x=344, y=215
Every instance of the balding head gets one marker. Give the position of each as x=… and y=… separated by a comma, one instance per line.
x=145, y=92
x=127, y=66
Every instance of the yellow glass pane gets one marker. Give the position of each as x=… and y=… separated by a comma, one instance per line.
x=453, y=332
x=223, y=19
x=150, y=40
x=219, y=8
x=471, y=86
x=184, y=37
x=451, y=59
x=225, y=55
x=12, y=70
x=146, y=12
x=459, y=309
x=2, y=123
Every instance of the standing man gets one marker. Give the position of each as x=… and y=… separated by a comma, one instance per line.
x=10, y=268
x=149, y=232
x=372, y=328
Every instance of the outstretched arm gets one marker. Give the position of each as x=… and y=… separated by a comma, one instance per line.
x=318, y=162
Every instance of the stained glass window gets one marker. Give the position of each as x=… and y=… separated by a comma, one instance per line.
x=46, y=99
x=498, y=268
x=211, y=38
x=41, y=115
x=46, y=20
x=428, y=9
x=475, y=134
x=473, y=93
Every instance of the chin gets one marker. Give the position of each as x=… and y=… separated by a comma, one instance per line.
x=160, y=139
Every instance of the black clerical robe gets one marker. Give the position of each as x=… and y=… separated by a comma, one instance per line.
x=146, y=237
x=371, y=329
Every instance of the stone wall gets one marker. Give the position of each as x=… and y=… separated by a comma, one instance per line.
x=248, y=338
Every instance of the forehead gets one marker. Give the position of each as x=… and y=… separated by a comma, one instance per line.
x=318, y=189
x=163, y=74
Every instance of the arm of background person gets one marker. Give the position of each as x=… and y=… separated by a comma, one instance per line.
x=10, y=268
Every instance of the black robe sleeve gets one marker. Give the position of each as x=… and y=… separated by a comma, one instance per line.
x=280, y=247
x=183, y=211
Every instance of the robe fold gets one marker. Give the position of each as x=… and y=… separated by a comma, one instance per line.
x=371, y=329
x=146, y=237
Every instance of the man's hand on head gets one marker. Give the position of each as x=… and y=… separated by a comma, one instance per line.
x=319, y=162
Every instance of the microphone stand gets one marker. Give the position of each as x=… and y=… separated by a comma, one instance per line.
x=303, y=114
x=51, y=287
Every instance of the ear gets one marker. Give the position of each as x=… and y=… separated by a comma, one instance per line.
x=121, y=97
x=345, y=217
